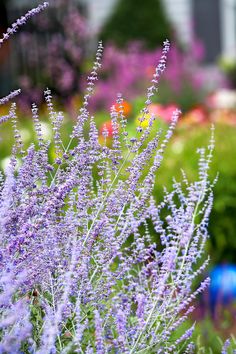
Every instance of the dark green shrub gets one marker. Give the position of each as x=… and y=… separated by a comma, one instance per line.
x=137, y=20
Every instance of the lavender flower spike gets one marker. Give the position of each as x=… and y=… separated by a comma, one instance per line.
x=9, y=97
x=21, y=21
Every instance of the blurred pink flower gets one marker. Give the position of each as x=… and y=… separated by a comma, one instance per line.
x=196, y=115
x=164, y=112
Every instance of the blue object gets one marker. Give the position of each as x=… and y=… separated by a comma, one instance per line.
x=222, y=290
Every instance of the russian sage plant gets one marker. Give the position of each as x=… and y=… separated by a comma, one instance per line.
x=89, y=262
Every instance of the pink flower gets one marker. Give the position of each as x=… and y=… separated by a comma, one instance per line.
x=196, y=115
x=164, y=112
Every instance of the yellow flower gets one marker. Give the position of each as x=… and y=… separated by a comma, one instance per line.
x=145, y=120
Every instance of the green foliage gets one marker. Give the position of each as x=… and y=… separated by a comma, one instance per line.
x=179, y=155
x=209, y=339
x=137, y=20
x=186, y=97
x=228, y=65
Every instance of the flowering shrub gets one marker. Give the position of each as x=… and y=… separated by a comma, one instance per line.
x=148, y=23
x=58, y=40
x=80, y=269
x=128, y=71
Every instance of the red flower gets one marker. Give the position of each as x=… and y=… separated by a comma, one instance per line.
x=106, y=129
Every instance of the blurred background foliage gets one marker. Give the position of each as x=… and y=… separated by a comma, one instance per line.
x=55, y=51
x=153, y=25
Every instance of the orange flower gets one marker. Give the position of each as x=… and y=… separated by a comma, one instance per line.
x=126, y=108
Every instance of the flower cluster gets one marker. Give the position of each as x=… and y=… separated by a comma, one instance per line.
x=58, y=40
x=128, y=71
x=89, y=262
